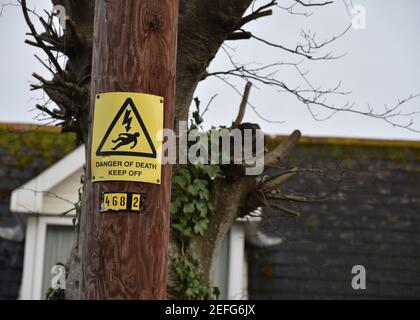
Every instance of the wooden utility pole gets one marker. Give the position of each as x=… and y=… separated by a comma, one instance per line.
x=124, y=255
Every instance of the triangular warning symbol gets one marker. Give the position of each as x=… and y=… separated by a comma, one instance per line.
x=127, y=135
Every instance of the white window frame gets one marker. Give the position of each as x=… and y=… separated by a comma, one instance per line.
x=237, y=272
x=33, y=264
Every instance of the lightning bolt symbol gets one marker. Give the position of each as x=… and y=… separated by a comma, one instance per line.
x=127, y=120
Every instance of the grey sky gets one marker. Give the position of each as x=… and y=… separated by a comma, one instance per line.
x=381, y=66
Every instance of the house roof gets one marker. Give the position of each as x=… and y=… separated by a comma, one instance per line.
x=348, y=149
x=32, y=197
x=25, y=151
x=365, y=212
x=344, y=141
x=30, y=201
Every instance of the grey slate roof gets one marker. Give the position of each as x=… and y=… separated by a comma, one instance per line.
x=372, y=218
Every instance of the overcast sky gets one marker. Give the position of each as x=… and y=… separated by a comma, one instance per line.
x=381, y=65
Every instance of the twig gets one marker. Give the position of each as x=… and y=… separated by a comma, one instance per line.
x=274, y=156
x=242, y=107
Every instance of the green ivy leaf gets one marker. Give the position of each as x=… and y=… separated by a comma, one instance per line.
x=202, y=207
x=201, y=184
x=187, y=232
x=192, y=189
x=201, y=226
x=189, y=292
x=211, y=170
x=216, y=293
x=189, y=208
x=178, y=226
x=174, y=207
x=204, y=194
x=180, y=180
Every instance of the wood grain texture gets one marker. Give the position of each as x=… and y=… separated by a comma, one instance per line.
x=124, y=256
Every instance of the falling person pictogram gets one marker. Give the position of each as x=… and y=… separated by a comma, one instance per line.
x=125, y=139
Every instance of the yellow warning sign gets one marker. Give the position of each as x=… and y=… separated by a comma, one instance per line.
x=127, y=137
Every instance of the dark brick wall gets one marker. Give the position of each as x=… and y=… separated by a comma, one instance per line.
x=25, y=151
x=371, y=217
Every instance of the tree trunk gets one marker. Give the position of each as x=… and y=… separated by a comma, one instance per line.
x=124, y=256
x=228, y=198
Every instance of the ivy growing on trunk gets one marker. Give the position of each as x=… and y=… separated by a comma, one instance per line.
x=191, y=210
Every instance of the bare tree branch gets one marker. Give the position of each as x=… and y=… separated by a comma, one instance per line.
x=313, y=4
x=288, y=211
x=243, y=105
x=38, y=39
x=276, y=181
x=309, y=49
x=262, y=11
x=5, y=5
x=274, y=156
x=242, y=35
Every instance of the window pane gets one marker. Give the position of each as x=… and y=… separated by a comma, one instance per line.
x=58, y=244
x=220, y=270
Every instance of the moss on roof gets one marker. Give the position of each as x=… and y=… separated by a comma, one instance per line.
x=20, y=144
x=350, y=141
x=354, y=148
x=24, y=142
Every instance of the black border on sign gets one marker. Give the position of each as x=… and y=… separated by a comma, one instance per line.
x=128, y=102
x=143, y=197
